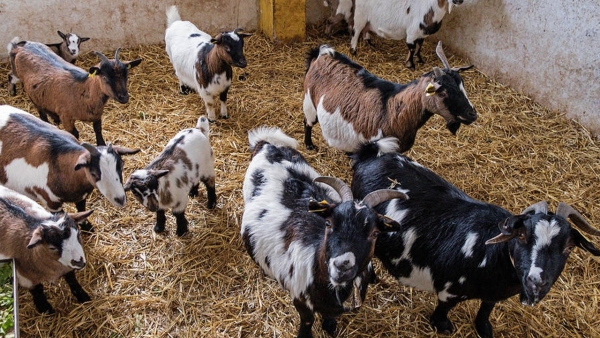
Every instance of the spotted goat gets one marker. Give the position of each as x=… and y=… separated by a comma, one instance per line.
x=461, y=248
x=167, y=181
x=413, y=20
x=354, y=106
x=307, y=232
x=45, y=246
x=50, y=166
x=203, y=63
x=68, y=48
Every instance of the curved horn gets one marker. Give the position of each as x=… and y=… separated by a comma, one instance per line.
x=338, y=185
x=117, y=54
x=378, y=196
x=101, y=56
x=440, y=53
x=568, y=212
x=541, y=206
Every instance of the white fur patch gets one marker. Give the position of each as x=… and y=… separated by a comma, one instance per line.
x=73, y=45
x=544, y=233
x=21, y=176
x=462, y=280
x=462, y=89
x=234, y=36
x=408, y=238
x=3, y=257
x=110, y=184
x=333, y=271
x=71, y=250
x=326, y=50
x=419, y=278
x=470, y=241
x=310, y=111
x=6, y=111
x=444, y=295
x=483, y=263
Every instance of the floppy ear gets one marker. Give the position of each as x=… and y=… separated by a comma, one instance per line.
x=322, y=208
x=36, y=237
x=509, y=229
x=577, y=239
x=83, y=161
x=83, y=39
x=388, y=224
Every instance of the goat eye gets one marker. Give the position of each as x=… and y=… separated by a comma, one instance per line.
x=522, y=237
x=328, y=223
x=52, y=248
x=375, y=233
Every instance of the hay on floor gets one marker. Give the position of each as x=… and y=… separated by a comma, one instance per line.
x=205, y=285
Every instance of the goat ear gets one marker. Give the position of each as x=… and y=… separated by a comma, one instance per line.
x=93, y=71
x=80, y=216
x=83, y=39
x=125, y=151
x=579, y=240
x=389, y=224
x=460, y=69
x=509, y=229
x=36, y=237
x=61, y=34
x=131, y=64
x=322, y=208
x=158, y=173
x=83, y=161
x=217, y=40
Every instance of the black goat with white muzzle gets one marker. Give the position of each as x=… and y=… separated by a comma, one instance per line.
x=301, y=234
x=449, y=242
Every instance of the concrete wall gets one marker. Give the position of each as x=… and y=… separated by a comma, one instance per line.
x=549, y=50
x=116, y=23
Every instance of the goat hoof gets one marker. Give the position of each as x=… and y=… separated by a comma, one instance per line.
x=181, y=232
x=159, y=228
x=211, y=204
x=353, y=51
x=442, y=326
x=329, y=325
x=224, y=117
x=311, y=147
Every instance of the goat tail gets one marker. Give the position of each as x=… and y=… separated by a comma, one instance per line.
x=375, y=148
x=172, y=15
x=272, y=135
x=13, y=43
x=203, y=125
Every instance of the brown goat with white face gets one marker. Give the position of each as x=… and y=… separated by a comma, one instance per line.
x=354, y=106
x=65, y=92
x=68, y=48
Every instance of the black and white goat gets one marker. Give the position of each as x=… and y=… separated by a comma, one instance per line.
x=45, y=246
x=413, y=20
x=68, y=48
x=66, y=92
x=354, y=106
x=203, y=63
x=165, y=183
x=461, y=248
x=49, y=165
x=300, y=233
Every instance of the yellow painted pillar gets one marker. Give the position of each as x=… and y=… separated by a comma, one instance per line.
x=283, y=20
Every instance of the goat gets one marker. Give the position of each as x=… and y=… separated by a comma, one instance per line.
x=342, y=11
x=49, y=165
x=354, y=106
x=45, y=246
x=405, y=19
x=68, y=48
x=203, y=63
x=65, y=92
x=176, y=173
x=300, y=233
x=449, y=242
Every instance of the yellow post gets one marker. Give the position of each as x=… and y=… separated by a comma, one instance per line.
x=283, y=20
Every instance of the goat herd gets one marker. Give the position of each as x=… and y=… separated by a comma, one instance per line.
x=315, y=235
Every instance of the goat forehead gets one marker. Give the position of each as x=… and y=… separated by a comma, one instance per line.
x=545, y=231
x=233, y=36
x=58, y=223
x=73, y=39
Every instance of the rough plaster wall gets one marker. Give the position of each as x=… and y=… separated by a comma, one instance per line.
x=549, y=50
x=116, y=23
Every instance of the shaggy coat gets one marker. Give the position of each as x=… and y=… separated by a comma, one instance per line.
x=413, y=20
x=354, y=106
x=202, y=63
x=50, y=166
x=461, y=248
x=45, y=246
x=165, y=183
x=68, y=48
x=65, y=92
x=316, y=246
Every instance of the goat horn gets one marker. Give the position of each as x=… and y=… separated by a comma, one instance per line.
x=117, y=54
x=568, y=212
x=541, y=206
x=338, y=185
x=440, y=53
x=102, y=57
x=378, y=196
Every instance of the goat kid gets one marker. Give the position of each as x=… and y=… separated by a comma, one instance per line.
x=45, y=246
x=413, y=20
x=165, y=183
x=354, y=106
x=308, y=232
x=461, y=248
x=203, y=63
x=49, y=165
x=68, y=48
x=65, y=92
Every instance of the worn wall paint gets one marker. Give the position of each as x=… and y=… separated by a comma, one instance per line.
x=549, y=50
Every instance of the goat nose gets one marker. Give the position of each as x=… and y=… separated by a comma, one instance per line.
x=120, y=200
x=343, y=265
x=80, y=264
x=536, y=283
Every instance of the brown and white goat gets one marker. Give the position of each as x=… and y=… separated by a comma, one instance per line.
x=65, y=92
x=165, y=183
x=202, y=63
x=49, y=165
x=45, y=246
x=354, y=106
x=68, y=48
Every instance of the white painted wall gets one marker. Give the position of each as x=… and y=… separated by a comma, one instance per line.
x=549, y=50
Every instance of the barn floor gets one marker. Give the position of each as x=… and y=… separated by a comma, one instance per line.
x=205, y=285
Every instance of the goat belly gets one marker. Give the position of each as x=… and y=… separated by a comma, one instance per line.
x=218, y=84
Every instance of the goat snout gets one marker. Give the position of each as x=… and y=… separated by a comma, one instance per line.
x=535, y=288
x=342, y=268
x=122, y=97
x=241, y=63
x=468, y=117
x=80, y=264
x=457, y=2
x=120, y=201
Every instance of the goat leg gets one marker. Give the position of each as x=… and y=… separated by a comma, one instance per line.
x=85, y=225
x=161, y=219
x=307, y=318
x=182, y=223
x=40, y=301
x=98, y=131
x=482, y=321
x=211, y=195
x=439, y=319
x=76, y=288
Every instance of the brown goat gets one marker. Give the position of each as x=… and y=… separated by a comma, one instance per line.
x=65, y=92
x=68, y=48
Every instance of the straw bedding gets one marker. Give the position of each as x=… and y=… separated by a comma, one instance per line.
x=205, y=285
